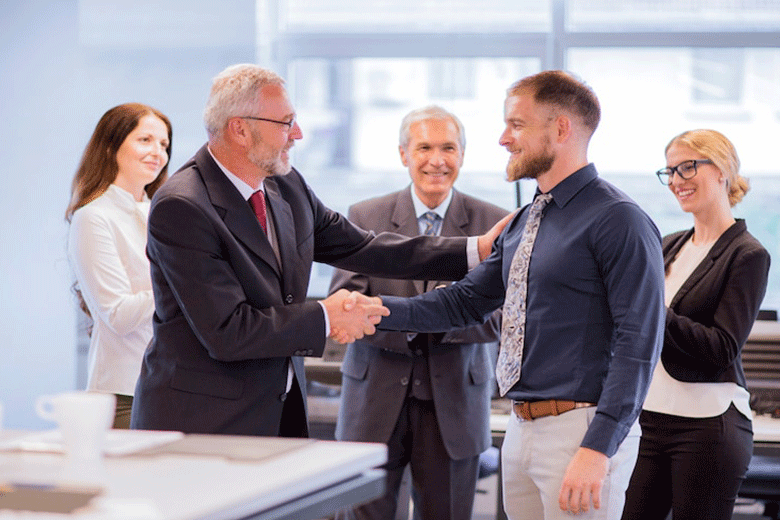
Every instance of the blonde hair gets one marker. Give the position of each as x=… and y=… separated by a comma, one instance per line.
x=716, y=147
x=234, y=93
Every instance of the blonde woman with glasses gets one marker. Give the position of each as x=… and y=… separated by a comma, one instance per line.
x=697, y=436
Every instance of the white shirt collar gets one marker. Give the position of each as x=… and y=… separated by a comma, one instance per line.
x=243, y=188
x=420, y=208
x=126, y=199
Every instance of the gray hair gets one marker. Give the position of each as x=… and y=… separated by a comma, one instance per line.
x=234, y=93
x=425, y=113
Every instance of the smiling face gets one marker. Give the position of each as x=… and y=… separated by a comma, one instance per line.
x=271, y=141
x=142, y=155
x=434, y=157
x=527, y=137
x=703, y=191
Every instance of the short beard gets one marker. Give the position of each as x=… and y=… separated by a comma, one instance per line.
x=530, y=168
x=271, y=166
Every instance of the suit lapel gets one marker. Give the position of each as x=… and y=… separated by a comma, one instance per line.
x=404, y=221
x=236, y=212
x=709, y=261
x=456, y=220
x=455, y=224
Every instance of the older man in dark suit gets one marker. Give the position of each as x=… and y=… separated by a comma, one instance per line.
x=430, y=405
x=232, y=237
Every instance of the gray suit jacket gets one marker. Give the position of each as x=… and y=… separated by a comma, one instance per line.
x=377, y=369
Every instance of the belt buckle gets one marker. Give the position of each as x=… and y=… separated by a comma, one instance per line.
x=523, y=409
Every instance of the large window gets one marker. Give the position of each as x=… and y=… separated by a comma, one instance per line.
x=659, y=67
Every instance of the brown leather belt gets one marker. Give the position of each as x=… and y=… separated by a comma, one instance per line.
x=530, y=410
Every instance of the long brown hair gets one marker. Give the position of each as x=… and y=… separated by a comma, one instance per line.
x=99, y=167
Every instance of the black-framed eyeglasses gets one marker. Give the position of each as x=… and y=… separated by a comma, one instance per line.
x=686, y=170
x=289, y=124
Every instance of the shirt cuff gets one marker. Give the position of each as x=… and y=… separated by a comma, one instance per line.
x=327, y=319
x=472, y=252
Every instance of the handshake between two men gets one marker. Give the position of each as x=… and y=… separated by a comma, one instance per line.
x=353, y=315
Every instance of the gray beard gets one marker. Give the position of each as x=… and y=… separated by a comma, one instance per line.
x=270, y=166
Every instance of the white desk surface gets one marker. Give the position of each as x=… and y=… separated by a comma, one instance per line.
x=172, y=486
x=765, y=429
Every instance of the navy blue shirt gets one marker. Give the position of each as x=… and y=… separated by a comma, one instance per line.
x=595, y=310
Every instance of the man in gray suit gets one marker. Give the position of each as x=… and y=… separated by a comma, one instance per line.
x=431, y=406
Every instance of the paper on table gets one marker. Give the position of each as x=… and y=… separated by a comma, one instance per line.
x=117, y=443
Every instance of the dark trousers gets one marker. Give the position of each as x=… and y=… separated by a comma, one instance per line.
x=443, y=488
x=293, y=422
x=693, y=467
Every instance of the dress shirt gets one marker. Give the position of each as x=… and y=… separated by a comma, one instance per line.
x=420, y=209
x=595, y=313
x=107, y=252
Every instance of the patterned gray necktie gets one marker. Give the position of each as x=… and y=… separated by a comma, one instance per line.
x=429, y=218
x=513, y=328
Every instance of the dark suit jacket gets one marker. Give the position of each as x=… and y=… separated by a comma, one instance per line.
x=228, y=317
x=711, y=315
x=378, y=369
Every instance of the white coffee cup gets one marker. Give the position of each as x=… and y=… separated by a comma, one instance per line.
x=83, y=419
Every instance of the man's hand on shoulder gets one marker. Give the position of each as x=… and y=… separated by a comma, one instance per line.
x=485, y=242
x=353, y=315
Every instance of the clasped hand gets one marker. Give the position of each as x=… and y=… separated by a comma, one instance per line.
x=353, y=315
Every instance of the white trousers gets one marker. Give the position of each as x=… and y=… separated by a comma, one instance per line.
x=534, y=457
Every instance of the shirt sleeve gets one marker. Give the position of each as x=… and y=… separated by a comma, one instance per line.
x=627, y=246
x=472, y=252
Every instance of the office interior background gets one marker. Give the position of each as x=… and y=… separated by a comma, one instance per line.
x=353, y=69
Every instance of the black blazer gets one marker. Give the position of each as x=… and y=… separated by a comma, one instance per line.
x=710, y=317
x=228, y=317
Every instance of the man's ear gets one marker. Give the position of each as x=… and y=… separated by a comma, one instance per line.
x=237, y=130
x=404, y=158
x=563, y=128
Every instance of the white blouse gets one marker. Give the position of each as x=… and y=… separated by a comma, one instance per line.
x=107, y=251
x=667, y=394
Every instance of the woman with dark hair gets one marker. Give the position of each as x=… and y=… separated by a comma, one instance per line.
x=124, y=163
x=697, y=435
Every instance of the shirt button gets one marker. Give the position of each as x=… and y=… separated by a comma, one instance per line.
x=288, y=298
x=419, y=352
x=404, y=381
x=416, y=382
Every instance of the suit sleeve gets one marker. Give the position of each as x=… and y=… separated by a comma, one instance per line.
x=714, y=347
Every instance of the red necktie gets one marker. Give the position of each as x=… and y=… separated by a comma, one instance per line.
x=257, y=201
